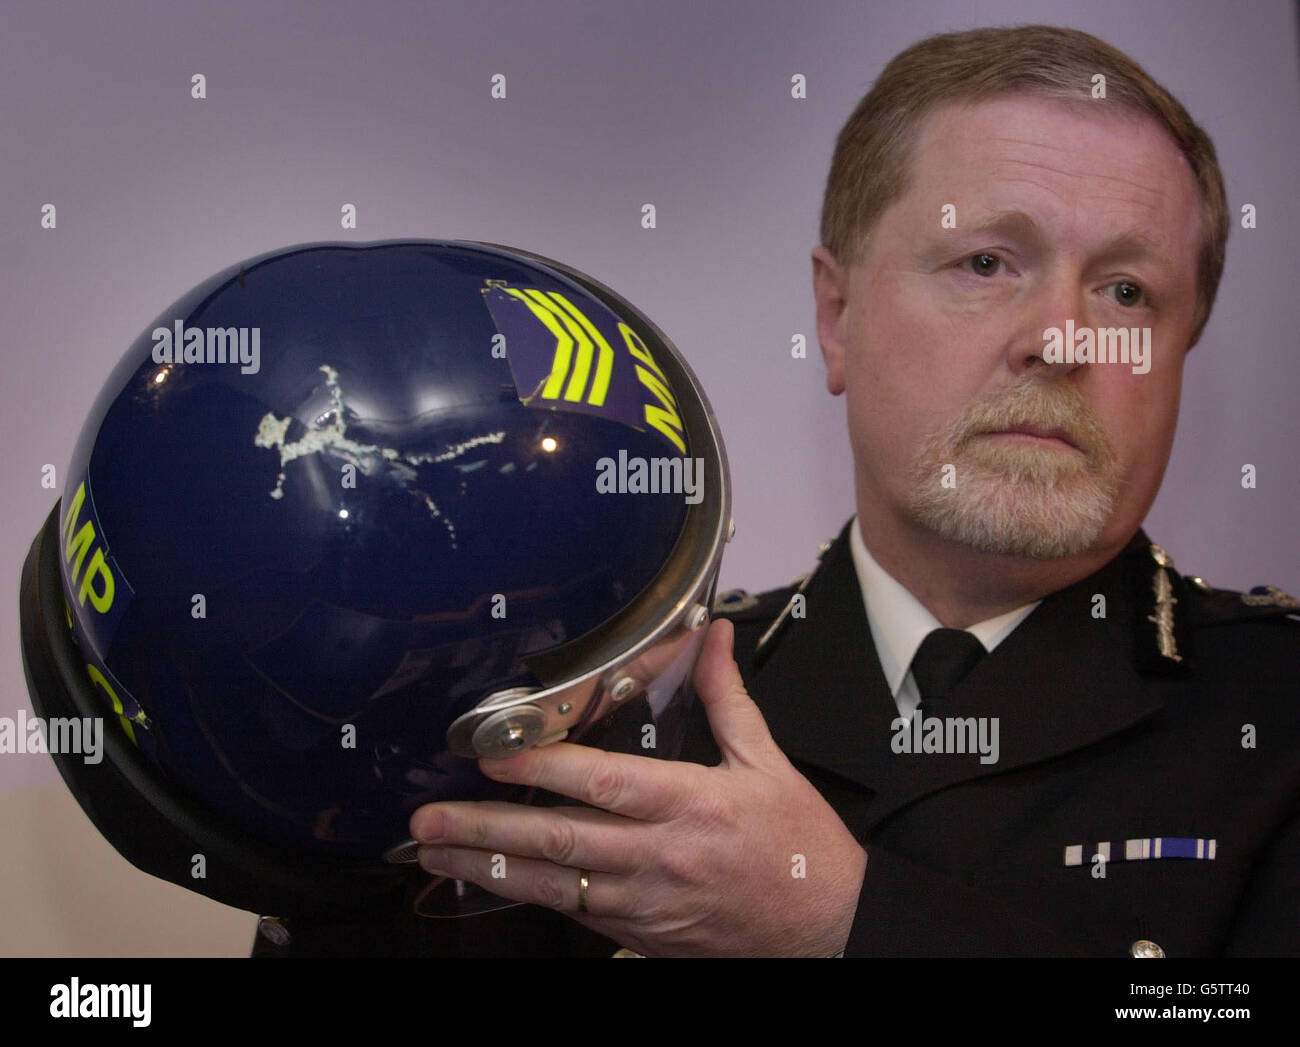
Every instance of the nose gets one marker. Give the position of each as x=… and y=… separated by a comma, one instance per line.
x=1051, y=311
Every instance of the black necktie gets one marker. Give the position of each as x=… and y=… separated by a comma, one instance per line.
x=944, y=657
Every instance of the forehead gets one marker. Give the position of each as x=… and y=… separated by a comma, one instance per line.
x=1073, y=166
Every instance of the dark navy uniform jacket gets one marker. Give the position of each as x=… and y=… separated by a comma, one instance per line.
x=1164, y=736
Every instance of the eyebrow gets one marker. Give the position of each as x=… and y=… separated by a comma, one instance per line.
x=1007, y=222
x=1131, y=244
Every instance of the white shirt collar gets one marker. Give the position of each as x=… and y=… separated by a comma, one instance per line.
x=899, y=621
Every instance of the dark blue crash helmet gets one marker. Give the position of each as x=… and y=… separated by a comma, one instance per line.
x=347, y=517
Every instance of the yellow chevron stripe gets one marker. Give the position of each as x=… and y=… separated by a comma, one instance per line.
x=563, y=344
x=582, y=366
x=605, y=363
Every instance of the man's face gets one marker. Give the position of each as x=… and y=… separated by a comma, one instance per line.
x=1061, y=213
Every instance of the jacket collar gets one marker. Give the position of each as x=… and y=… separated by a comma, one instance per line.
x=1064, y=679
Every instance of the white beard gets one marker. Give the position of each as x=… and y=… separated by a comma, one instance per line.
x=1012, y=498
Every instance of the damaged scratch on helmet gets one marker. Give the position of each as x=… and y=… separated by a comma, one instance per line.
x=526, y=400
x=456, y=450
x=272, y=433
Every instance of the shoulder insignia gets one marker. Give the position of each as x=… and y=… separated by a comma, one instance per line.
x=1270, y=596
x=742, y=606
x=733, y=601
x=1207, y=605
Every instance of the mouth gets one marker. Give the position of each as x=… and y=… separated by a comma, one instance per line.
x=1037, y=435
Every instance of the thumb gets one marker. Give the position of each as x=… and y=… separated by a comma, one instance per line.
x=738, y=727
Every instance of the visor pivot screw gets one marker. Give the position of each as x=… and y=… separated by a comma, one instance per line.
x=623, y=689
x=696, y=617
x=504, y=732
x=564, y=709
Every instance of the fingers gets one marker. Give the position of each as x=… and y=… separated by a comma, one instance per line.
x=574, y=836
x=528, y=880
x=637, y=787
x=640, y=787
x=738, y=726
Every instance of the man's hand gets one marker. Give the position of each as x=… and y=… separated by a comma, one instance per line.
x=745, y=858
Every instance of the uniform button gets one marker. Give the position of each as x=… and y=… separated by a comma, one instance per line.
x=1200, y=583
x=1145, y=950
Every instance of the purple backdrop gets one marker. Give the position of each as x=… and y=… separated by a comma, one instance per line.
x=609, y=106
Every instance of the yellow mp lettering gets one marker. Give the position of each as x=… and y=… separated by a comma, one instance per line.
x=663, y=417
x=103, y=599
x=85, y=538
x=98, y=678
x=76, y=543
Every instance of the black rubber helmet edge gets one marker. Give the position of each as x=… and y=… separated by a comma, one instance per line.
x=152, y=823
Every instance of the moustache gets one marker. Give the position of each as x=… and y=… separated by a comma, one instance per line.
x=1044, y=411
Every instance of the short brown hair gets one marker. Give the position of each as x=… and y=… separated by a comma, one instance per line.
x=870, y=168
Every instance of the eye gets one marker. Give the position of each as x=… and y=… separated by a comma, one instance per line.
x=1130, y=294
x=983, y=264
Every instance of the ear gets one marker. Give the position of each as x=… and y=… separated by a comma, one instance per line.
x=830, y=289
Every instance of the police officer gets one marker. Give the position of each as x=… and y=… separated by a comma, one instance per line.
x=1105, y=760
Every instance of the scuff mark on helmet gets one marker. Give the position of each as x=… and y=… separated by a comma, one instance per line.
x=371, y=459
